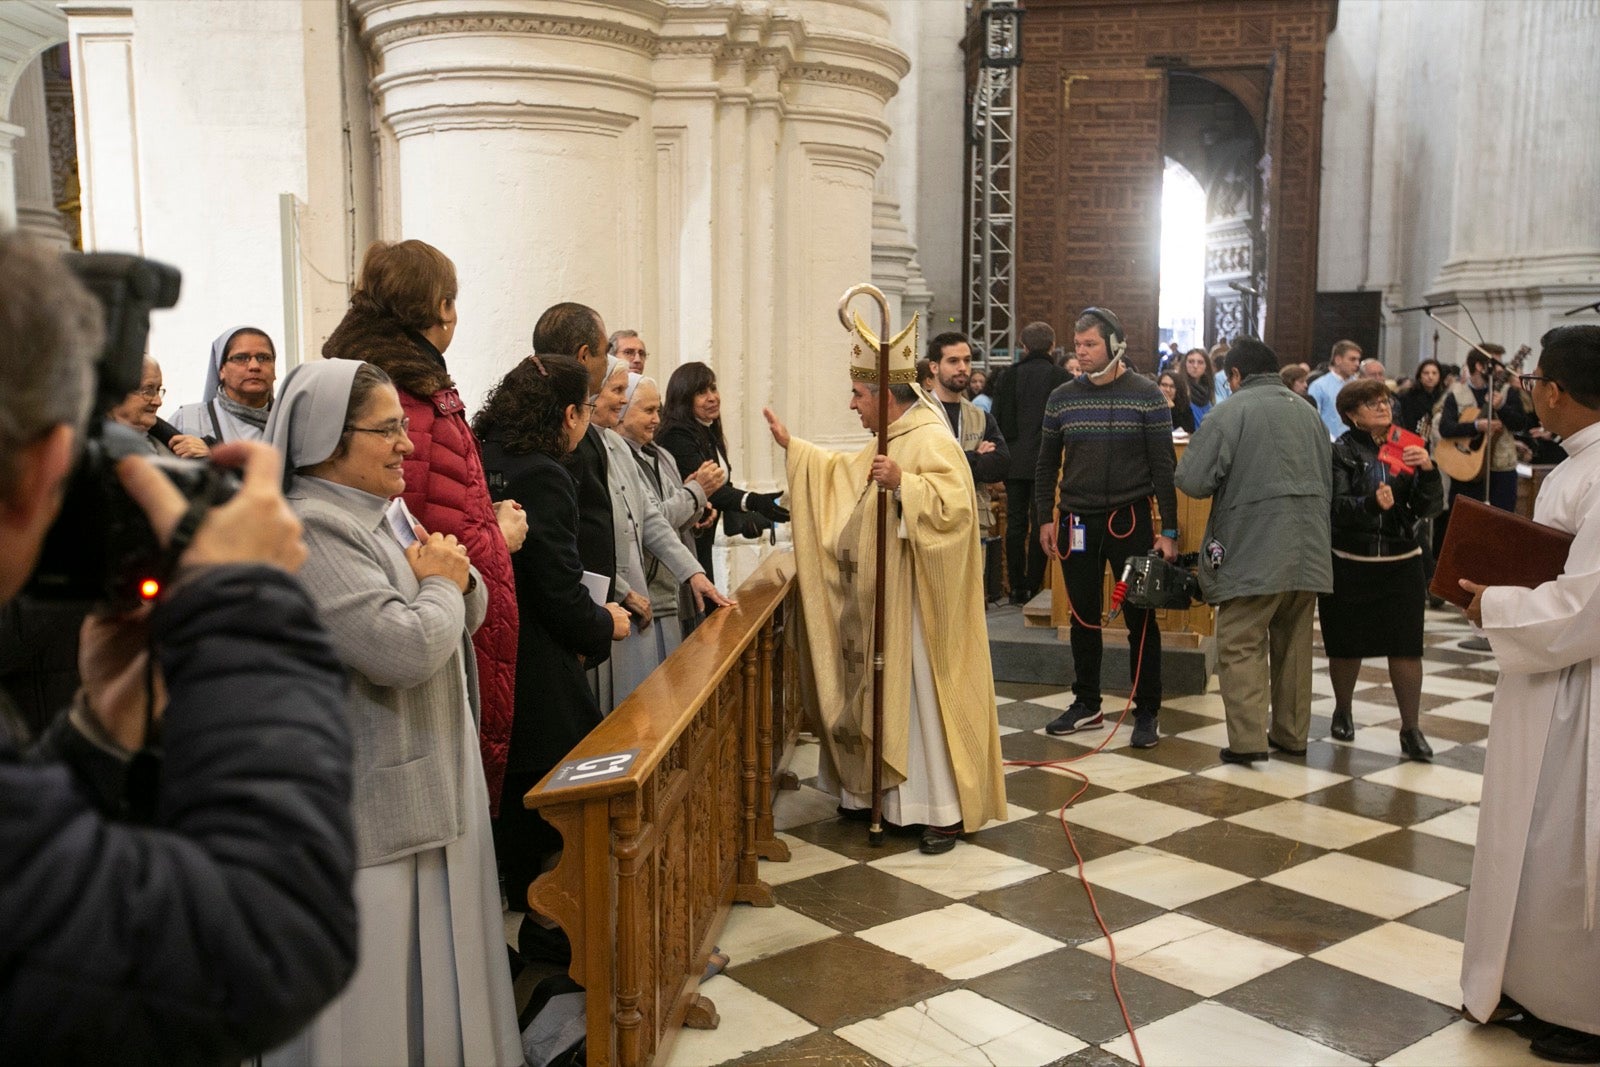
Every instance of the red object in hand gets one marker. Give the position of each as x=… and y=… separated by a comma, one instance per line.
x=1391, y=451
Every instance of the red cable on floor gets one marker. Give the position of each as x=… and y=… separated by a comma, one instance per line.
x=1060, y=764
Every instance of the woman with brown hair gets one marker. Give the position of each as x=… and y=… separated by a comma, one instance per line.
x=1176, y=389
x=402, y=318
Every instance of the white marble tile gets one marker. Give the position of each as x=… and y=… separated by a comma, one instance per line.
x=959, y=941
x=1056, y=701
x=1159, y=877
x=1321, y=683
x=1457, y=687
x=1474, y=711
x=1280, y=777
x=1187, y=952
x=750, y=1022
x=1374, y=888
x=1323, y=827
x=1004, y=730
x=805, y=860
x=1414, y=960
x=756, y=933
x=1370, y=713
x=1464, y=1044
x=1384, y=739
x=1106, y=739
x=1207, y=704
x=959, y=1027
x=1434, y=666
x=1459, y=825
x=1134, y=818
x=965, y=870
x=1014, y=813
x=799, y=807
x=1211, y=1035
x=1121, y=772
x=1431, y=779
x=1214, y=735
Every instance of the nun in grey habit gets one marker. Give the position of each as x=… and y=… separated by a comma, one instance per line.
x=432, y=985
x=219, y=417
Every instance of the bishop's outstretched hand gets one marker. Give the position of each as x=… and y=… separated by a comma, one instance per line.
x=780, y=432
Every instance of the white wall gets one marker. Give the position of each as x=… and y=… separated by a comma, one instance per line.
x=934, y=215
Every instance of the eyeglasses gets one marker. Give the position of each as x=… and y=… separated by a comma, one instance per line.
x=1527, y=380
x=394, y=432
x=1375, y=405
x=151, y=392
x=266, y=359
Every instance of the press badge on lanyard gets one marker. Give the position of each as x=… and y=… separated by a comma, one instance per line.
x=1076, y=541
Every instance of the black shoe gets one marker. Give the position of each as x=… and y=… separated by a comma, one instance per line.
x=1145, y=734
x=1344, y=727
x=939, y=839
x=854, y=814
x=1078, y=717
x=1285, y=749
x=1019, y=597
x=1437, y=603
x=1475, y=644
x=1565, y=1045
x=1230, y=756
x=1414, y=746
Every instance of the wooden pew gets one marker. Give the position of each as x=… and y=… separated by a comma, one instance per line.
x=653, y=858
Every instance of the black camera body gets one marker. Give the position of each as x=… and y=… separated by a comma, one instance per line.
x=101, y=547
x=1158, y=585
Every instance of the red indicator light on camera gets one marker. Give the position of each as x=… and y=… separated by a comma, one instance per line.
x=149, y=589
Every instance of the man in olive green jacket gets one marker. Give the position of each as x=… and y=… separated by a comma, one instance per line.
x=1263, y=457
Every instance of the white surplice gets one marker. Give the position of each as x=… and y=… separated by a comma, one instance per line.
x=1531, y=931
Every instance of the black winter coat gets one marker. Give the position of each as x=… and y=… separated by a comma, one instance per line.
x=1019, y=399
x=1360, y=527
x=555, y=709
x=224, y=925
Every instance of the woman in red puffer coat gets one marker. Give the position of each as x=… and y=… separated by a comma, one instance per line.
x=401, y=319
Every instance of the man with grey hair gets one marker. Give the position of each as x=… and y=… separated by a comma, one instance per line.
x=628, y=346
x=196, y=928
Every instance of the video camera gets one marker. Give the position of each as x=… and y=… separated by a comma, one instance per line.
x=1154, y=583
x=101, y=547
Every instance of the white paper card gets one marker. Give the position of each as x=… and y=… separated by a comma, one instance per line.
x=401, y=522
x=598, y=585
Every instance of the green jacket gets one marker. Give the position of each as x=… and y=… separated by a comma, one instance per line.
x=1264, y=459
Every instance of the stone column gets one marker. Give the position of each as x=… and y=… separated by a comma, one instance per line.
x=101, y=40
x=36, y=212
x=10, y=139
x=1525, y=239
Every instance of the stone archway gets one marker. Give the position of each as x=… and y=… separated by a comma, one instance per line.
x=27, y=201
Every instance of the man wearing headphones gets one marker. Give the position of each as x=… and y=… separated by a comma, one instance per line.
x=1107, y=441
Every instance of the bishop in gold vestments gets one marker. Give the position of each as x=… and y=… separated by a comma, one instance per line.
x=941, y=750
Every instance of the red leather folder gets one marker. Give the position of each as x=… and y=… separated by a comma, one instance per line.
x=1492, y=547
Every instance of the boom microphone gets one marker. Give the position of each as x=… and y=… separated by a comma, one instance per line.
x=1241, y=287
x=1426, y=307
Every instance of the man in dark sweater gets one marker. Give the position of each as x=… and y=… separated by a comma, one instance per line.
x=1019, y=400
x=1108, y=433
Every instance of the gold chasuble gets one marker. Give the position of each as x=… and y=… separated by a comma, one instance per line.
x=933, y=543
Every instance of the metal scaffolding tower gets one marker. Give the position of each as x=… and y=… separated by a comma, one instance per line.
x=992, y=186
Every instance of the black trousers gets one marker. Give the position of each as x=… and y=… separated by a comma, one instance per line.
x=1109, y=539
x=1024, y=557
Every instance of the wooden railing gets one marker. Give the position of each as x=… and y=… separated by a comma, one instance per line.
x=653, y=858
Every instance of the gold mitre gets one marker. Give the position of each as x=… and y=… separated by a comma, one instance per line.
x=864, y=354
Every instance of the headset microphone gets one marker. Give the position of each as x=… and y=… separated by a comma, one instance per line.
x=1116, y=341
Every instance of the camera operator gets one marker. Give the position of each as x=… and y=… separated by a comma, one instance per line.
x=219, y=924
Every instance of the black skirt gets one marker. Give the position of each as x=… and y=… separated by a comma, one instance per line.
x=1375, y=610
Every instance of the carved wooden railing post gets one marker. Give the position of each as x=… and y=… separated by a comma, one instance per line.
x=750, y=889
x=768, y=847
x=631, y=917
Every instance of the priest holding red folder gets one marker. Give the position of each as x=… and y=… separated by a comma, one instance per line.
x=1532, y=944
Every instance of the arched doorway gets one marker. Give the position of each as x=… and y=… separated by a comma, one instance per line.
x=1183, y=258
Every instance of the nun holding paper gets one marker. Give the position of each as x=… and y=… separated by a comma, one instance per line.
x=432, y=985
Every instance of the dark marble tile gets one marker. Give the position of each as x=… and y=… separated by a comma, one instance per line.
x=1463, y=757
x=1035, y=747
x=1093, y=1056
x=1071, y=990
x=840, y=980
x=1435, y=857
x=1451, y=729
x=1483, y=675
x=1025, y=716
x=1056, y=905
x=1206, y=796
x=1177, y=721
x=1334, y=1007
x=1238, y=848
x=1398, y=806
x=1447, y=918
x=1176, y=752
x=1384, y=697
x=1453, y=655
x=1040, y=839
x=849, y=838
x=813, y=1050
x=1026, y=690
x=1282, y=917
x=1039, y=790
x=1354, y=762
x=854, y=898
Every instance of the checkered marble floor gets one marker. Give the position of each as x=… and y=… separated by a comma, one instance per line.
x=1308, y=911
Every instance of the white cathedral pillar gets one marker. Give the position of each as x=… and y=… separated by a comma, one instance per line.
x=36, y=212
x=1525, y=238
x=10, y=138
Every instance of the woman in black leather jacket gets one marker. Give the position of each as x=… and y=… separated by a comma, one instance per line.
x=1384, y=484
x=691, y=429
